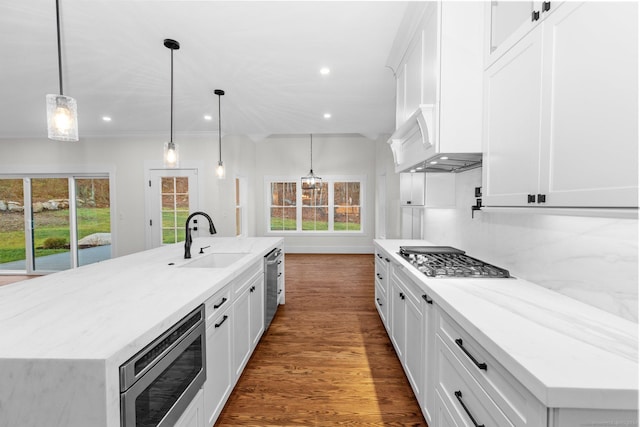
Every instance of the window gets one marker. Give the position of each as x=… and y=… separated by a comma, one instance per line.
x=175, y=207
x=283, y=206
x=334, y=207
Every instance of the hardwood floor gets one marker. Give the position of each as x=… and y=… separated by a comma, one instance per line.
x=5, y=280
x=326, y=359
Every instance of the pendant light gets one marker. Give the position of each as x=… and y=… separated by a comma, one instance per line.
x=220, y=172
x=311, y=181
x=171, y=148
x=62, y=111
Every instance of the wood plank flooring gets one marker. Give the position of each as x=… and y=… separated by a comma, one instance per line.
x=326, y=359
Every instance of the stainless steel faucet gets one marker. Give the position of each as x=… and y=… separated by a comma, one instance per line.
x=188, y=239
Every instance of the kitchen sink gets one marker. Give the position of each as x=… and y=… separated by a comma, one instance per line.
x=215, y=260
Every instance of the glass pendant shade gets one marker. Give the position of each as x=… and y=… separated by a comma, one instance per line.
x=171, y=155
x=220, y=172
x=62, y=118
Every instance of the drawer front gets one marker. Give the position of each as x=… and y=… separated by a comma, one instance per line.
x=462, y=394
x=515, y=401
x=217, y=303
x=247, y=277
x=381, y=273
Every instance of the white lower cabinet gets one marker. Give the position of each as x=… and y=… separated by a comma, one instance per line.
x=428, y=402
x=407, y=326
x=219, y=382
x=248, y=318
x=235, y=323
x=193, y=416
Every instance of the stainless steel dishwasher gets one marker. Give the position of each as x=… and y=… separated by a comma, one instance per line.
x=271, y=262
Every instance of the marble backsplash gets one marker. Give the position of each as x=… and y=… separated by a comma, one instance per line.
x=591, y=259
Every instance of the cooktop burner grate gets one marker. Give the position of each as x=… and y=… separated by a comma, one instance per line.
x=445, y=261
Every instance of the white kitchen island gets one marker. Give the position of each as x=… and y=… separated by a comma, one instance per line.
x=64, y=336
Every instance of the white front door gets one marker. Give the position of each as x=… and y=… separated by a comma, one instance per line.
x=170, y=195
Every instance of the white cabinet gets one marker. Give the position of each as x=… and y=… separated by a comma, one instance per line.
x=428, y=402
x=248, y=319
x=193, y=416
x=412, y=189
x=411, y=222
x=407, y=326
x=220, y=376
x=561, y=112
x=508, y=21
x=438, y=62
x=382, y=286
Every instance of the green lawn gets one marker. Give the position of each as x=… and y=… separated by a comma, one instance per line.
x=290, y=224
x=51, y=224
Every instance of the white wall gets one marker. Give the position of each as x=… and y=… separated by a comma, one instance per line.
x=289, y=155
x=591, y=259
x=126, y=156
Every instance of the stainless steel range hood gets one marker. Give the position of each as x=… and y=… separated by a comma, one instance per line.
x=418, y=147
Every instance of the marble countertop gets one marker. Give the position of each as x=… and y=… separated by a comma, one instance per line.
x=566, y=353
x=111, y=309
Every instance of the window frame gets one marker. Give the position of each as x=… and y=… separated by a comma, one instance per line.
x=329, y=180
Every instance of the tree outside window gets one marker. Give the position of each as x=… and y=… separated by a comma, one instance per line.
x=283, y=206
x=346, y=197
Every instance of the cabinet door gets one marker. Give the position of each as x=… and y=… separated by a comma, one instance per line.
x=412, y=189
x=590, y=105
x=507, y=22
x=429, y=362
x=241, y=331
x=414, y=342
x=219, y=368
x=256, y=310
x=512, y=124
x=397, y=318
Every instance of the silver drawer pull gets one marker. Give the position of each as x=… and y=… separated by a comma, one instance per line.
x=480, y=365
x=458, y=395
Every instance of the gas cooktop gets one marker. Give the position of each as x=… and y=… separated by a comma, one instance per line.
x=445, y=261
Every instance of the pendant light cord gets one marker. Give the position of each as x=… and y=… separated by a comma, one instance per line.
x=171, y=132
x=59, y=46
x=311, y=135
x=219, y=130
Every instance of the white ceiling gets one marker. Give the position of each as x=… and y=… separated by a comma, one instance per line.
x=266, y=56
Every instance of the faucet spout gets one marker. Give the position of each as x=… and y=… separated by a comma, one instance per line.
x=188, y=239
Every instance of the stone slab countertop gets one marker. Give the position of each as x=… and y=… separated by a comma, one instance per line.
x=566, y=353
x=113, y=308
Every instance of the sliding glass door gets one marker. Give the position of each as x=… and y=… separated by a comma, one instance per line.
x=12, y=225
x=52, y=223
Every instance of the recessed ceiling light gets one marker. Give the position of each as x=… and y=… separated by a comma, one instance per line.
x=106, y=118
x=327, y=115
x=207, y=117
x=325, y=71
x=433, y=162
x=412, y=170
x=444, y=158
x=419, y=168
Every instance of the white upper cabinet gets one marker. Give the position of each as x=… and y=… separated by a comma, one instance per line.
x=438, y=62
x=510, y=21
x=561, y=111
